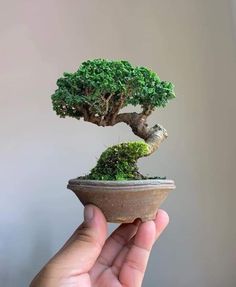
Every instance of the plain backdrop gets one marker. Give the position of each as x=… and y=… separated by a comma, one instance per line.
x=189, y=42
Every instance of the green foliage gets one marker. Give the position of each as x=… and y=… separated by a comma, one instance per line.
x=98, y=80
x=119, y=162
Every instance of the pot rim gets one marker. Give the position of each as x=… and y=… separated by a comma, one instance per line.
x=162, y=183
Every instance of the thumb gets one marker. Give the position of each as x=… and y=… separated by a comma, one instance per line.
x=82, y=249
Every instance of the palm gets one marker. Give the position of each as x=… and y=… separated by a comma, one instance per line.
x=123, y=259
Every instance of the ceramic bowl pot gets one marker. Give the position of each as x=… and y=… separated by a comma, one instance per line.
x=123, y=201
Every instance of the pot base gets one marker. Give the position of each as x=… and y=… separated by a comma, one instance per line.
x=123, y=201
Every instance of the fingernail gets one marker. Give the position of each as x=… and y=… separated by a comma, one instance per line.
x=88, y=213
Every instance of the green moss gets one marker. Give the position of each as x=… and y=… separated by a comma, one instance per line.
x=119, y=162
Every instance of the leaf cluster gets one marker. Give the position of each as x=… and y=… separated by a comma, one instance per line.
x=100, y=85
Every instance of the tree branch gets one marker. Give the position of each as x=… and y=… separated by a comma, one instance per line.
x=147, y=110
x=115, y=108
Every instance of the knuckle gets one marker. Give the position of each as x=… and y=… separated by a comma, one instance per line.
x=88, y=236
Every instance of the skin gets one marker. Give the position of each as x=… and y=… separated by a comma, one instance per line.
x=88, y=259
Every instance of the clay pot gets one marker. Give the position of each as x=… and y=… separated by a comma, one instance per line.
x=123, y=201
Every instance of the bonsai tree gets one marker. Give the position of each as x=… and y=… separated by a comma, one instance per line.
x=97, y=92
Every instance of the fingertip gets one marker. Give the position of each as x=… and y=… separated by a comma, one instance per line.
x=145, y=236
x=161, y=221
x=163, y=216
x=97, y=219
x=97, y=213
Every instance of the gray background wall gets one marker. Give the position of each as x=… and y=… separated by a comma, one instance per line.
x=190, y=42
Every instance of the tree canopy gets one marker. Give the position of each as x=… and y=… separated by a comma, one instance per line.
x=100, y=88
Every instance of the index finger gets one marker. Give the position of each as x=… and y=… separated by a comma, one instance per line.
x=135, y=261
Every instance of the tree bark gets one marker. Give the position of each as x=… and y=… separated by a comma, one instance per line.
x=157, y=135
x=153, y=136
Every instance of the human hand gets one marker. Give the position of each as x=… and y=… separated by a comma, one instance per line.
x=88, y=259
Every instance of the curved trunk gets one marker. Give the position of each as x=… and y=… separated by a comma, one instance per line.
x=156, y=137
x=111, y=165
x=153, y=136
